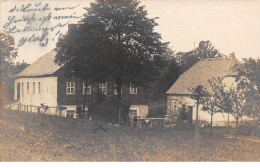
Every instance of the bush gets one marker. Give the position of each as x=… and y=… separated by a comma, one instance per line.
x=106, y=109
x=158, y=112
x=79, y=111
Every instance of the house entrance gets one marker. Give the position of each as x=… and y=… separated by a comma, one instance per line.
x=18, y=91
x=189, y=114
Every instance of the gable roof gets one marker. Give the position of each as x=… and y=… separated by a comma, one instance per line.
x=43, y=66
x=201, y=72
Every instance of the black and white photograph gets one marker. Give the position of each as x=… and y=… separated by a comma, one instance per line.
x=130, y=81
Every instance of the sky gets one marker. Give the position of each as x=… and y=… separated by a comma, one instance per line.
x=231, y=26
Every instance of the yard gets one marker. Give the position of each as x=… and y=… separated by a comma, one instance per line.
x=38, y=137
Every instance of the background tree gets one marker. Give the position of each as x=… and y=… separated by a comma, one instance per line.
x=8, y=53
x=249, y=77
x=235, y=100
x=204, y=50
x=210, y=101
x=168, y=74
x=198, y=94
x=116, y=41
x=249, y=72
x=8, y=68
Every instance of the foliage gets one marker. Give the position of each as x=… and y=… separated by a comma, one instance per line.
x=249, y=69
x=158, y=112
x=44, y=107
x=18, y=67
x=198, y=94
x=80, y=112
x=204, y=50
x=8, y=53
x=249, y=77
x=210, y=101
x=115, y=41
x=168, y=75
x=106, y=108
x=235, y=100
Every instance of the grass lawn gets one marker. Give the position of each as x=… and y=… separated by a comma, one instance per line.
x=38, y=137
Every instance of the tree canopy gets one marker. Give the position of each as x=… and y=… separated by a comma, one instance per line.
x=204, y=50
x=8, y=53
x=114, y=41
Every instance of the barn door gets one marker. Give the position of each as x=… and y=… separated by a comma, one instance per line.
x=18, y=91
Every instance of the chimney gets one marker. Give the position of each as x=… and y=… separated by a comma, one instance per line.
x=232, y=55
x=72, y=26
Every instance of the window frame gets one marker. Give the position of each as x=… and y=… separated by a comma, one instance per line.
x=68, y=86
x=115, y=90
x=132, y=89
x=33, y=87
x=102, y=88
x=22, y=90
x=131, y=111
x=88, y=86
x=39, y=87
x=28, y=88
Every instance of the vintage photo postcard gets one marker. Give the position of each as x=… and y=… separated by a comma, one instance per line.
x=130, y=81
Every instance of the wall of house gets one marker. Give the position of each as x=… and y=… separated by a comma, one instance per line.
x=219, y=119
x=47, y=94
x=78, y=97
x=142, y=110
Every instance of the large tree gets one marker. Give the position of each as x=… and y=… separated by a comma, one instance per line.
x=115, y=41
x=204, y=50
x=8, y=68
x=8, y=53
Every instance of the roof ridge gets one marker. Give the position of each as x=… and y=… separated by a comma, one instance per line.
x=218, y=58
x=42, y=66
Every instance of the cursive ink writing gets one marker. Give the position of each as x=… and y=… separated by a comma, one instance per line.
x=12, y=19
x=43, y=40
x=38, y=21
x=69, y=8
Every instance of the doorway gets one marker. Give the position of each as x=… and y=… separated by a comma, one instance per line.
x=18, y=91
x=189, y=115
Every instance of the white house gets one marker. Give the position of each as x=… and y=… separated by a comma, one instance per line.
x=178, y=96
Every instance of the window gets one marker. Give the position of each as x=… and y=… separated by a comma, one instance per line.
x=133, y=113
x=70, y=113
x=33, y=87
x=133, y=89
x=103, y=87
x=22, y=89
x=28, y=90
x=70, y=88
x=115, y=91
x=88, y=88
x=39, y=87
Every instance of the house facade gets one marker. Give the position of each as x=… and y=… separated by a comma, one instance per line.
x=179, y=102
x=45, y=84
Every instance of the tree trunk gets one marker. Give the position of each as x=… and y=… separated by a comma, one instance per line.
x=211, y=121
x=85, y=97
x=119, y=97
x=197, y=122
x=236, y=131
